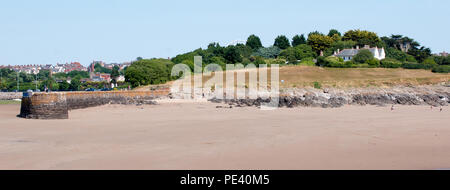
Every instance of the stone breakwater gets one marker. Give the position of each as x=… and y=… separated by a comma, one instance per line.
x=56, y=105
x=333, y=98
x=10, y=95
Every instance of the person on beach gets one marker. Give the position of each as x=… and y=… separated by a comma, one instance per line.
x=431, y=107
x=440, y=109
x=392, y=108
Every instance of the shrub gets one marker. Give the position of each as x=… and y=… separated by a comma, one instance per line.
x=441, y=69
x=372, y=63
x=149, y=71
x=309, y=61
x=317, y=85
x=363, y=56
x=259, y=61
x=412, y=65
x=320, y=61
x=390, y=63
x=276, y=61
x=270, y=52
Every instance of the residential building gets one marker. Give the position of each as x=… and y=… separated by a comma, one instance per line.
x=348, y=54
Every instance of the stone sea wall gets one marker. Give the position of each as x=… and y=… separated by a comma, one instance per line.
x=56, y=105
x=10, y=95
x=332, y=98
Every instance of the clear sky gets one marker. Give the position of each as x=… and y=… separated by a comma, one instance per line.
x=51, y=31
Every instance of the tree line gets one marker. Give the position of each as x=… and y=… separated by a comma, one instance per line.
x=314, y=49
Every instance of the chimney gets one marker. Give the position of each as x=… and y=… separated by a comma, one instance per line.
x=338, y=51
x=357, y=47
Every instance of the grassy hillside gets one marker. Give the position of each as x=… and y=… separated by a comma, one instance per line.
x=299, y=76
x=308, y=76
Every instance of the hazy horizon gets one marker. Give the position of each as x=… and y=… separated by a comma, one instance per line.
x=114, y=31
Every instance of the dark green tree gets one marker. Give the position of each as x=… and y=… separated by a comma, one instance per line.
x=64, y=86
x=363, y=56
x=420, y=54
x=149, y=71
x=75, y=84
x=282, y=42
x=332, y=32
x=232, y=55
x=297, y=40
x=115, y=74
x=254, y=42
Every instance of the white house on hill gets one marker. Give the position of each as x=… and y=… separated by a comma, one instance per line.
x=348, y=54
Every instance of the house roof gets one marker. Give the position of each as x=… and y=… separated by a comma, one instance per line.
x=353, y=52
x=348, y=52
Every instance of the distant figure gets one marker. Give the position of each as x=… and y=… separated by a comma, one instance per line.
x=392, y=108
x=431, y=107
x=440, y=109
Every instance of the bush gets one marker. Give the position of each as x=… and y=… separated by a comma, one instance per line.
x=309, y=61
x=441, y=69
x=317, y=85
x=332, y=61
x=372, y=63
x=390, y=63
x=149, y=71
x=270, y=52
x=280, y=62
x=412, y=65
x=259, y=61
x=363, y=56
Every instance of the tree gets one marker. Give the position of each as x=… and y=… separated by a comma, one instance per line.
x=64, y=86
x=232, y=55
x=362, y=37
x=75, y=84
x=297, y=40
x=339, y=45
x=397, y=41
x=363, y=56
x=115, y=74
x=282, y=42
x=319, y=42
x=244, y=51
x=269, y=52
x=99, y=68
x=149, y=71
x=420, y=54
x=254, y=42
x=315, y=32
x=259, y=61
x=298, y=52
x=429, y=61
x=333, y=32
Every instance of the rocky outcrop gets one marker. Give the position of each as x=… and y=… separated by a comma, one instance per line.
x=332, y=98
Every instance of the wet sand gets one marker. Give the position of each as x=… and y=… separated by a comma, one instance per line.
x=201, y=136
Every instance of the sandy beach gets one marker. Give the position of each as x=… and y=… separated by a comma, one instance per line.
x=183, y=135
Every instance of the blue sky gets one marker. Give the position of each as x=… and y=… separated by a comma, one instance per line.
x=51, y=31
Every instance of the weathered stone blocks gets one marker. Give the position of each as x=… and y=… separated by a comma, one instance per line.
x=56, y=105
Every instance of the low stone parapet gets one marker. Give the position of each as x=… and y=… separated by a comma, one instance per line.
x=56, y=105
x=10, y=95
